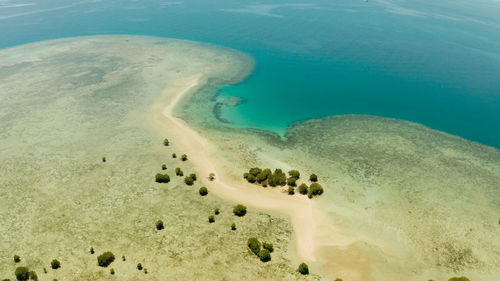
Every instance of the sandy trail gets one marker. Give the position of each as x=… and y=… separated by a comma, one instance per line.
x=203, y=154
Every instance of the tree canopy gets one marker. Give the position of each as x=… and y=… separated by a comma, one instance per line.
x=240, y=210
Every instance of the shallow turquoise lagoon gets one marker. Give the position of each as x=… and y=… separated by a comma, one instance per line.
x=433, y=63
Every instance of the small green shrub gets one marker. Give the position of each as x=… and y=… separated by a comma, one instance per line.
x=17, y=258
x=203, y=191
x=174, y=155
x=55, y=264
x=162, y=178
x=92, y=251
x=303, y=189
x=268, y=246
x=315, y=189
x=139, y=266
x=104, y=159
x=240, y=210
x=45, y=270
x=145, y=271
x=211, y=176
x=189, y=180
x=184, y=157
x=211, y=219
x=22, y=273
x=303, y=269
x=461, y=278
x=233, y=226
x=254, y=245
x=264, y=255
x=251, y=178
x=178, y=172
x=33, y=276
x=159, y=225
x=163, y=167
x=123, y=258
x=292, y=181
x=294, y=174
x=166, y=142
x=193, y=176
x=105, y=259
x=216, y=211
x=291, y=190
x=112, y=271
x=313, y=178
x=255, y=171
x=261, y=177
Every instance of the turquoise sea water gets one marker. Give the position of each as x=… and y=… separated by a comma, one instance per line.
x=433, y=63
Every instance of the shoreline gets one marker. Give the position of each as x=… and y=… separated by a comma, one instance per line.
x=202, y=156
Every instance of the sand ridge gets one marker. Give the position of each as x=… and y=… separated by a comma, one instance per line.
x=202, y=156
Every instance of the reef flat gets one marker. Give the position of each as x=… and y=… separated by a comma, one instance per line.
x=401, y=202
x=66, y=105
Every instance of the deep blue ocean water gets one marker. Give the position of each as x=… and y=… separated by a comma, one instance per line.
x=437, y=64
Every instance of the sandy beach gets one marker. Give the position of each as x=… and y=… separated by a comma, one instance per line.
x=203, y=156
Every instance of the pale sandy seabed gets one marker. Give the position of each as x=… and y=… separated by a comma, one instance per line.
x=67, y=103
x=402, y=202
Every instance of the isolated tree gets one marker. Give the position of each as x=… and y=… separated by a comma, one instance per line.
x=55, y=264
x=105, y=259
x=184, y=157
x=166, y=142
x=240, y=210
x=303, y=189
x=216, y=211
x=188, y=180
x=17, y=258
x=211, y=219
x=254, y=245
x=162, y=178
x=159, y=225
x=211, y=176
x=233, y=226
x=139, y=266
x=112, y=271
x=203, y=191
x=92, y=250
x=303, y=269
x=313, y=178
x=174, y=155
x=163, y=167
x=22, y=273
x=104, y=159
x=315, y=189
